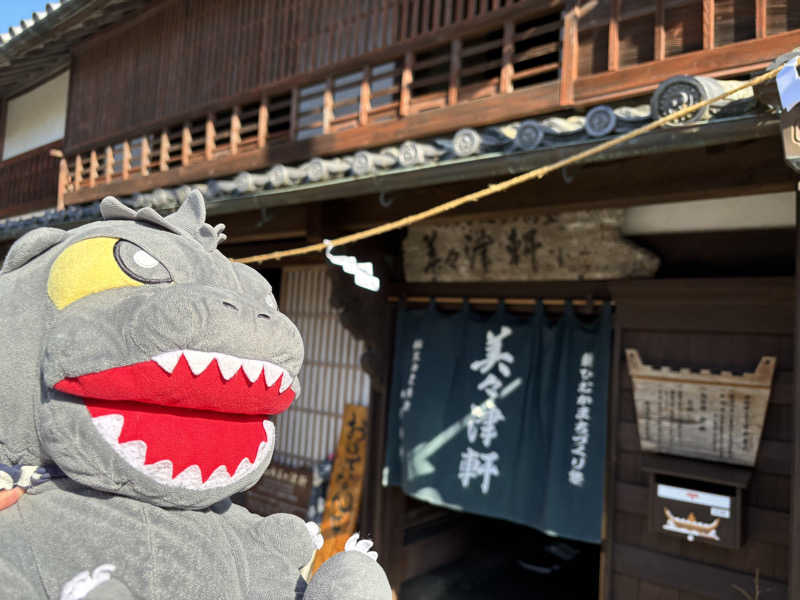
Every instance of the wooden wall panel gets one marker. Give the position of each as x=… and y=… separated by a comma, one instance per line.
x=30, y=181
x=189, y=53
x=701, y=331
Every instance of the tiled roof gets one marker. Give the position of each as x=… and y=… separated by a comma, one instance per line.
x=523, y=138
x=25, y=24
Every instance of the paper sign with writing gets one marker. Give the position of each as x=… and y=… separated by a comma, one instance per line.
x=347, y=480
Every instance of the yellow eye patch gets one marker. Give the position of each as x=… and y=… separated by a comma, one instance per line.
x=85, y=268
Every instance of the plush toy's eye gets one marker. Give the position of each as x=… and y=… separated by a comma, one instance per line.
x=98, y=264
x=138, y=264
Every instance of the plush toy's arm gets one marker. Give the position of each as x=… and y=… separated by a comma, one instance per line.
x=354, y=574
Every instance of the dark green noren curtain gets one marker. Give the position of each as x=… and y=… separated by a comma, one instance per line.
x=502, y=415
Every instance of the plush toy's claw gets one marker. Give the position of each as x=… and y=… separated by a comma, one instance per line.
x=316, y=536
x=353, y=544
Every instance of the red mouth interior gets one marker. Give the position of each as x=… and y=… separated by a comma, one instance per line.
x=187, y=437
x=185, y=418
x=148, y=383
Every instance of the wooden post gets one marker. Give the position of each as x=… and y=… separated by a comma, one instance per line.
x=507, y=69
x=347, y=478
x=327, y=106
x=93, y=166
x=365, y=97
x=77, y=175
x=761, y=18
x=126, y=160
x=186, y=144
x=263, y=123
x=708, y=24
x=144, y=157
x=613, y=36
x=569, y=55
x=236, y=130
x=163, y=153
x=660, y=38
x=405, y=85
x=63, y=179
x=293, y=113
x=455, y=72
x=794, y=532
x=108, y=170
x=211, y=137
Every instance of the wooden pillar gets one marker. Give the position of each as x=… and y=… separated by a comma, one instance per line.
x=794, y=532
x=708, y=24
x=163, y=153
x=569, y=55
x=293, y=113
x=63, y=179
x=263, y=123
x=327, y=106
x=108, y=169
x=93, y=166
x=126, y=160
x=236, y=130
x=455, y=72
x=211, y=138
x=613, y=36
x=660, y=37
x=761, y=18
x=77, y=175
x=365, y=97
x=507, y=68
x=186, y=144
x=405, y=85
x=144, y=157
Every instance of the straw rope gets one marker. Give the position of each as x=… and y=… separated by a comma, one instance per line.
x=496, y=188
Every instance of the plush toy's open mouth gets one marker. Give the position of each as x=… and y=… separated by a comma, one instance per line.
x=187, y=418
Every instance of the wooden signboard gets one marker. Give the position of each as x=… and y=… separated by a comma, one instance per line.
x=347, y=479
x=716, y=417
x=281, y=490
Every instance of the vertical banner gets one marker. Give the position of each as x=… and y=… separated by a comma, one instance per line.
x=502, y=415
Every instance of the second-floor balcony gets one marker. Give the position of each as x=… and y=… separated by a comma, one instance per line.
x=518, y=60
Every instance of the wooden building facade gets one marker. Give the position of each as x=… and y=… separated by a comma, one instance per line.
x=302, y=121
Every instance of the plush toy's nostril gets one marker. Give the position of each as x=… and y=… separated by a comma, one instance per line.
x=229, y=305
x=262, y=316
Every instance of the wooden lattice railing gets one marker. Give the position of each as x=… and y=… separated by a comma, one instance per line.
x=503, y=67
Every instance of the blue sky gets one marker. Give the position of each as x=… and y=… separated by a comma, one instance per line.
x=13, y=11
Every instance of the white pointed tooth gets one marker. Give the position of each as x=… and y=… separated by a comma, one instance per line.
x=271, y=373
x=252, y=369
x=269, y=427
x=134, y=452
x=228, y=365
x=285, y=382
x=161, y=471
x=190, y=477
x=109, y=427
x=218, y=478
x=198, y=361
x=244, y=467
x=168, y=360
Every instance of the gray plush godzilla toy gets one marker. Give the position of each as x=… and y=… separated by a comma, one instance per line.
x=139, y=368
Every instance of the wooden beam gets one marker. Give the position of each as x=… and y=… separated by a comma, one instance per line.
x=794, y=529
x=77, y=173
x=507, y=68
x=455, y=72
x=569, y=56
x=93, y=165
x=63, y=179
x=126, y=160
x=144, y=157
x=327, y=106
x=295, y=100
x=733, y=59
x=406, y=79
x=708, y=24
x=613, y=35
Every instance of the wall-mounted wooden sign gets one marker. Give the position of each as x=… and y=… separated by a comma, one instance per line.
x=716, y=417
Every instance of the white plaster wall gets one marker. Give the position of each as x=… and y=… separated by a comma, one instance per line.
x=37, y=117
